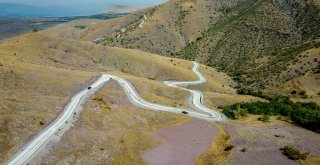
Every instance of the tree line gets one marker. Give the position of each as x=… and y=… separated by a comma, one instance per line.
x=306, y=115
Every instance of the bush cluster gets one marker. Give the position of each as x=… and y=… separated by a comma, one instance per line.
x=293, y=154
x=306, y=115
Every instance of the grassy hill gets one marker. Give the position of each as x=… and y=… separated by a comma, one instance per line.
x=40, y=72
x=259, y=43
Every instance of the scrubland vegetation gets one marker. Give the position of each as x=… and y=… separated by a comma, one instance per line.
x=306, y=115
x=293, y=153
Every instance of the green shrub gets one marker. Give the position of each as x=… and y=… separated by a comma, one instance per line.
x=229, y=112
x=307, y=115
x=293, y=154
x=243, y=112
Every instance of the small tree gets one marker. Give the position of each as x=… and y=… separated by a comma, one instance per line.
x=229, y=112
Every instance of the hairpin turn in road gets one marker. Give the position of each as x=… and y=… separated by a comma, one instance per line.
x=33, y=147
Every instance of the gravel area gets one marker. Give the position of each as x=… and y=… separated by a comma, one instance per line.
x=262, y=143
x=181, y=144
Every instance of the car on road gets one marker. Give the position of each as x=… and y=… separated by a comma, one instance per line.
x=89, y=88
x=185, y=112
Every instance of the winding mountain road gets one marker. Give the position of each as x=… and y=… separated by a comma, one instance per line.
x=32, y=148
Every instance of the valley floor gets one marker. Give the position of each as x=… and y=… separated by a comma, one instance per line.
x=262, y=142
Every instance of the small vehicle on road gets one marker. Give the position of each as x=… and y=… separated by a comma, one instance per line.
x=89, y=88
x=185, y=112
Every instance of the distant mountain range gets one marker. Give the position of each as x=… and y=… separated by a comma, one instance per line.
x=14, y=26
x=22, y=10
x=121, y=9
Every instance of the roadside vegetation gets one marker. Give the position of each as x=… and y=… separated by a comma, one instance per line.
x=306, y=115
x=293, y=153
x=220, y=150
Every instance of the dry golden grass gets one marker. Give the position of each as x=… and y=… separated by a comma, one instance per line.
x=148, y=65
x=39, y=73
x=40, y=49
x=307, y=81
x=187, y=5
x=157, y=92
x=69, y=31
x=40, y=70
x=253, y=120
x=220, y=100
x=311, y=160
x=110, y=131
x=216, y=152
x=310, y=83
x=46, y=50
x=29, y=94
x=217, y=82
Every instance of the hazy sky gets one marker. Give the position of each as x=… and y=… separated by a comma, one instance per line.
x=137, y=3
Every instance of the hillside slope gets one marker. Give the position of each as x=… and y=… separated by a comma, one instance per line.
x=39, y=73
x=259, y=43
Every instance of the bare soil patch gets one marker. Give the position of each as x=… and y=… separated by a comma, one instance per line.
x=262, y=142
x=183, y=143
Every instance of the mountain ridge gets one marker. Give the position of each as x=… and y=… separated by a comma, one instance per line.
x=120, y=9
x=275, y=36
